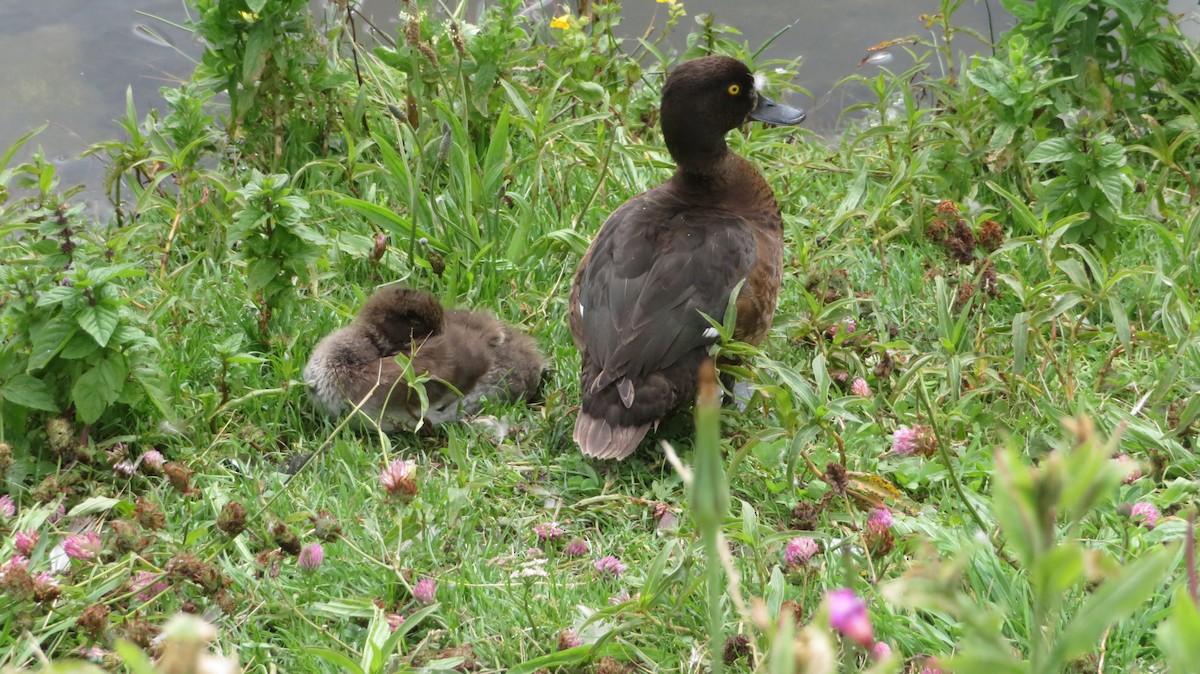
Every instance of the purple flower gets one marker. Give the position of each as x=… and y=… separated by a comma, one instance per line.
x=125, y=468
x=92, y=653
x=82, y=546
x=860, y=388
x=576, y=548
x=425, y=591
x=25, y=541
x=568, y=639
x=1130, y=470
x=619, y=598
x=17, y=562
x=152, y=462
x=881, y=651
x=799, y=550
x=45, y=580
x=905, y=440
x=147, y=585
x=7, y=507
x=1145, y=514
x=399, y=479
x=851, y=325
x=548, y=531
x=394, y=620
x=848, y=615
x=310, y=557
x=879, y=521
x=610, y=565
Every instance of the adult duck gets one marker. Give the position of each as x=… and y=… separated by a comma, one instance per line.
x=673, y=253
x=468, y=356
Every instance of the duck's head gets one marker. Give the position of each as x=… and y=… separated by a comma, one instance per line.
x=395, y=316
x=705, y=98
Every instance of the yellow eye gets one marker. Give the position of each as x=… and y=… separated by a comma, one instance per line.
x=734, y=90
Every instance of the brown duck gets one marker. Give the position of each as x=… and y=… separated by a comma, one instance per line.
x=462, y=352
x=673, y=253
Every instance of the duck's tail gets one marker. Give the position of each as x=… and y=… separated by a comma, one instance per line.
x=598, y=439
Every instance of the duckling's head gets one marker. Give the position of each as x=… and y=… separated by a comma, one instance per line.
x=705, y=98
x=396, y=316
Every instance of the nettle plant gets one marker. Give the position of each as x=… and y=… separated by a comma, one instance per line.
x=278, y=248
x=74, y=340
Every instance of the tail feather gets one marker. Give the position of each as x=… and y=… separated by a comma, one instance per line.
x=596, y=438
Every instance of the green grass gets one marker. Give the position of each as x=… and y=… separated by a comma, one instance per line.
x=989, y=371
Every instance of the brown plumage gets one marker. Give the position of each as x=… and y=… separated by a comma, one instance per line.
x=465, y=352
x=670, y=254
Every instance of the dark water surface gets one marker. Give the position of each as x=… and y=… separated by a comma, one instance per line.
x=68, y=63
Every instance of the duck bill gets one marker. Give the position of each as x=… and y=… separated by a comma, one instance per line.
x=776, y=113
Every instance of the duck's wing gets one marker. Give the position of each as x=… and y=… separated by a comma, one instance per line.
x=652, y=271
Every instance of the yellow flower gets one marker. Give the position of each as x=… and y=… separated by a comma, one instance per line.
x=560, y=22
x=249, y=16
x=667, y=2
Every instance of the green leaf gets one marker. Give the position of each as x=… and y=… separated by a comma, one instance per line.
x=1112, y=184
x=48, y=339
x=95, y=504
x=1020, y=335
x=82, y=345
x=1118, y=597
x=1052, y=150
x=340, y=661
x=29, y=391
x=1179, y=634
x=1121, y=322
x=99, y=321
x=57, y=295
x=99, y=387
x=260, y=272
x=134, y=658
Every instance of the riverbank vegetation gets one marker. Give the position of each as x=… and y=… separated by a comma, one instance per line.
x=976, y=417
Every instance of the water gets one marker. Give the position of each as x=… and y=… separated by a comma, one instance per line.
x=67, y=63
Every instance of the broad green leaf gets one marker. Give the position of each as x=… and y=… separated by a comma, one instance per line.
x=1114, y=600
x=57, y=295
x=134, y=658
x=1058, y=570
x=99, y=321
x=1179, y=634
x=48, y=339
x=1112, y=184
x=1052, y=150
x=261, y=271
x=99, y=387
x=1013, y=508
x=29, y=391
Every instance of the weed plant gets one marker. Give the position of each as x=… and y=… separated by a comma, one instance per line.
x=980, y=256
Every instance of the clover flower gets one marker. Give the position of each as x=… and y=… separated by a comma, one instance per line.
x=310, y=557
x=848, y=615
x=799, y=550
x=610, y=565
x=860, y=388
x=1145, y=514
x=82, y=546
x=425, y=591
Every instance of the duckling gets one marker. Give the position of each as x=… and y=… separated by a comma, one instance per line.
x=463, y=352
x=675, y=252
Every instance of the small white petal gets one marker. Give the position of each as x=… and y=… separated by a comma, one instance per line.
x=711, y=333
x=760, y=81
